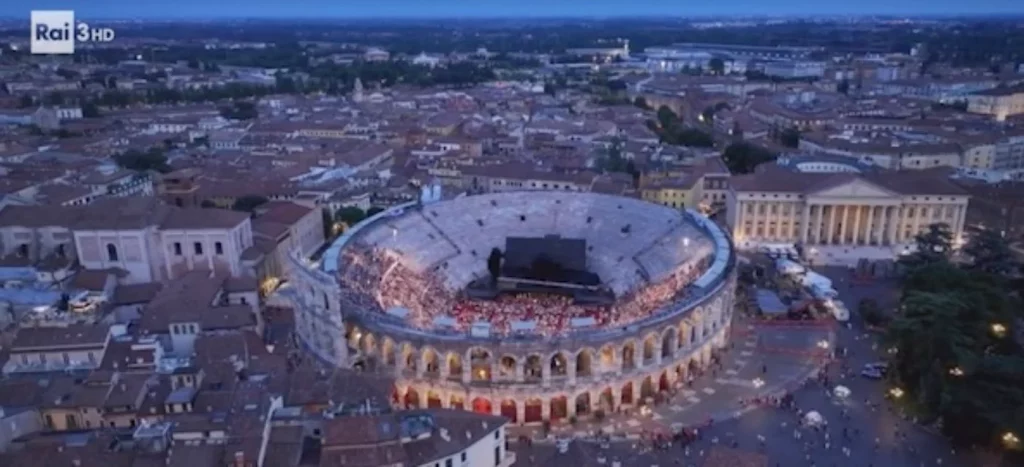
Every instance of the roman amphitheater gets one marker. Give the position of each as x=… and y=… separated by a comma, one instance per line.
x=392, y=295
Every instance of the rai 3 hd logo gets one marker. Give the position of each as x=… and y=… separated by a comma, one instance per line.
x=55, y=32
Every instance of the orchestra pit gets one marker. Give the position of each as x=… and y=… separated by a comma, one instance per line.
x=532, y=305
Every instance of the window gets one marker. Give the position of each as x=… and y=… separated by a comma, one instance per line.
x=463, y=457
x=218, y=248
x=198, y=247
x=177, y=248
x=497, y=456
x=111, y=252
x=448, y=463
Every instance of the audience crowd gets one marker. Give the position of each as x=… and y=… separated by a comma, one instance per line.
x=377, y=280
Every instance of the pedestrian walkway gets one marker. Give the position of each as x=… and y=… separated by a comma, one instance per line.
x=743, y=373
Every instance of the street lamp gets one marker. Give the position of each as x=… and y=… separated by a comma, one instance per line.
x=896, y=393
x=956, y=371
x=823, y=344
x=1011, y=439
x=999, y=330
x=758, y=383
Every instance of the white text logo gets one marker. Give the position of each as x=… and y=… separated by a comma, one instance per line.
x=55, y=32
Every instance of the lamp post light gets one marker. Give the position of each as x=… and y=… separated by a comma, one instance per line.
x=999, y=330
x=1011, y=440
x=758, y=383
x=896, y=393
x=956, y=371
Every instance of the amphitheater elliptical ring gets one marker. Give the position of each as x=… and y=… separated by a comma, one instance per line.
x=387, y=295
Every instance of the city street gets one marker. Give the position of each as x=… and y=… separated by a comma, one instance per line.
x=862, y=430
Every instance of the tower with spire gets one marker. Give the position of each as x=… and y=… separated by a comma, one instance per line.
x=357, y=90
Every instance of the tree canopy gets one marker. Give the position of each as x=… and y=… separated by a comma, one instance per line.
x=743, y=158
x=953, y=352
x=350, y=215
x=134, y=159
x=249, y=203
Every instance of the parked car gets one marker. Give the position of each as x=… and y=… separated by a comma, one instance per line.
x=872, y=373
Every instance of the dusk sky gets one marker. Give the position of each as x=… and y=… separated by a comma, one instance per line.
x=494, y=8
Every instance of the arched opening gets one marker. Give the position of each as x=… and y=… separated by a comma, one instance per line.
x=507, y=367
x=111, y=252
x=534, y=411
x=681, y=336
x=482, y=405
x=388, y=351
x=608, y=358
x=412, y=398
x=431, y=363
x=693, y=335
x=411, y=358
x=433, y=400
x=693, y=366
x=62, y=251
x=559, y=367
x=668, y=345
x=508, y=410
x=649, y=344
x=584, y=360
x=647, y=388
x=627, y=393
x=559, y=408
x=533, y=370
x=628, y=356
x=480, y=364
x=457, y=403
x=369, y=344
x=454, y=366
x=23, y=250
x=663, y=382
x=607, y=400
x=396, y=398
x=583, y=403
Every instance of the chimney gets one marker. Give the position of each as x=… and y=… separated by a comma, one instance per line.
x=239, y=459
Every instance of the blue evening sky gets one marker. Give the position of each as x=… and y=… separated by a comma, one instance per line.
x=155, y=9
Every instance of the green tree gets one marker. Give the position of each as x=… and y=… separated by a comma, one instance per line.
x=843, y=87
x=871, y=312
x=743, y=158
x=989, y=252
x=666, y=117
x=790, y=137
x=717, y=66
x=641, y=102
x=90, y=110
x=931, y=246
x=350, y=215
x=249, y=203
x=134, y=159
x=374, y=211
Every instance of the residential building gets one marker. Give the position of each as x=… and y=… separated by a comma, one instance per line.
x=997, y=102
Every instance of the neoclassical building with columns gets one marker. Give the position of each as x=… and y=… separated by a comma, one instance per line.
x=520, y=372
x=883, y=209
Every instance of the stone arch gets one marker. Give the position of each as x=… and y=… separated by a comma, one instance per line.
x=533, y=369
x=456, y=402
x=533, y=410
x=412, y=398
x=606, y=401
x=693, y=337
x=387, y=350
x=482, y=405
x=433, y=400
x=668, y=343
x=559, y=365
x=410, y=357
x=509, y=410
x=681, y=335
x=559, y=407
x=454, y=365
x=627, y=393
x=650, y=347
x=629, y=355
x=368, y=344
x=647, y=388
x=583, y=403
x=431, y=362
x=608, y=357
x=692, y=366
x=353, y=336
x=585, y=362
x=507, y=366
x=481, y=363
x=664, y=381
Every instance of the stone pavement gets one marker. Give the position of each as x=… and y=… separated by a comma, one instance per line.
x=781, y=356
